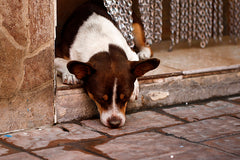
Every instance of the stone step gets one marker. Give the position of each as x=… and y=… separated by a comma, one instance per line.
x=71, y=102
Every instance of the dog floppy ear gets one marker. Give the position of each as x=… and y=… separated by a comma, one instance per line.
x=80, y=69
x=139, y=68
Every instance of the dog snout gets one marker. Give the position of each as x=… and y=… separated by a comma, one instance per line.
x=114, y=122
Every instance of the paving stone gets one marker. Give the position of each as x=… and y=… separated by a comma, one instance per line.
x=58, y=153
x=198, y=112
x=34, y=139
x=135, y=122
x=229, y=144
x=192, y=113
x=236, y=99
x=238, y=115
x=152, y=145
x=206, y=129
x=3, y=150
x=224, y=107
x=19, y=156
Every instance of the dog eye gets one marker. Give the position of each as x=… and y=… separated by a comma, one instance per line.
x=122, y=96
x=105, y=97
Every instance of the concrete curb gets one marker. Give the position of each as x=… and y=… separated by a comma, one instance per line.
x=74, y=104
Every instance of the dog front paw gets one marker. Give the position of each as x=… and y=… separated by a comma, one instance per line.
x=135, y=91
x=145, y=53
x=68, y=78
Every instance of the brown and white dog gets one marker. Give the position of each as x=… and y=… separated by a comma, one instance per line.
x=94, y=50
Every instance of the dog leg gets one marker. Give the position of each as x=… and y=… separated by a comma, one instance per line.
x=145, y=51
x=61, y=67
x=135, y=93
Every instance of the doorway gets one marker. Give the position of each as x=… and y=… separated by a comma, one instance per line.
x=187, y=67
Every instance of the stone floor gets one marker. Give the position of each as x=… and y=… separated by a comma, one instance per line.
x=206, y=130
x=216, y=56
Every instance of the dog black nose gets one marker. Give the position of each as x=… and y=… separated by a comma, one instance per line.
x=114, y=122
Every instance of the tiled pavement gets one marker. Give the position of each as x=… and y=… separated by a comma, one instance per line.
x=208, y=130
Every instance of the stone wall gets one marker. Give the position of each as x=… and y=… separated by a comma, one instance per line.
x=26, y=64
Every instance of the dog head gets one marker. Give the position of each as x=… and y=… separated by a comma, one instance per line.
x=109, y=81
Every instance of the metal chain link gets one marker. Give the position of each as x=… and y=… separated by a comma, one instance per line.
x=146, y=19
x=190, y=19
x=234, y=25
x=220, y=20
x=173, y=20
x=182, y=19
x=238, y=18
x=151, y=16
x=231, y=20
x=158, y=21
x=215, y=20
x=210, y=17
x=186, y=20
x=177, y=21
x=201, y=20
x=195, y=19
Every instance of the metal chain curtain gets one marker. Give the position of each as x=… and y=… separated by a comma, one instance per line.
x=121, y=13
x=196, y=20
x=151, y=16
x=190, y=20
x=234, y=20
